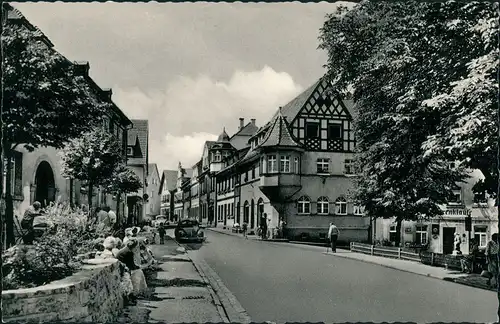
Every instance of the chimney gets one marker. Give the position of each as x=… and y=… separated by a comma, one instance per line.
x=253, y=121
x=242, y=123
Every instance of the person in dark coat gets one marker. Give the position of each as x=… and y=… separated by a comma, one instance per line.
x=162, y=232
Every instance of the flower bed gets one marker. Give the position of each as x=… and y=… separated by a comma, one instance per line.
x=54, y=255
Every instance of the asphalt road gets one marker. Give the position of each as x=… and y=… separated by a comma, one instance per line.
x=281, y=282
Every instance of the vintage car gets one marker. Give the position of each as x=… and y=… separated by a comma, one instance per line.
x=189, y=230
x=160, y=219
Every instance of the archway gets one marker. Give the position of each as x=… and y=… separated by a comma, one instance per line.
x=252, y=214
x=45, y=191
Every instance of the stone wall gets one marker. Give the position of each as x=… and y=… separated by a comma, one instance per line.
x=90, y=295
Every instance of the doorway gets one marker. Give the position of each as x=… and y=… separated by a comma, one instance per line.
x=448, y=239
x=252, y=215
x=45, y=191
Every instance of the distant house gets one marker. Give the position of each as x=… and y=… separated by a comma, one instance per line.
x=167, y=191
x=37, y=175
x=154, y=200
x=137, y=161
x=439, y=232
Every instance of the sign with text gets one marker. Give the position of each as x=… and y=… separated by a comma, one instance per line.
x=457, y=212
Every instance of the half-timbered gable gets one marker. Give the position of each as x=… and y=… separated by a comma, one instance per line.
x=323, y=122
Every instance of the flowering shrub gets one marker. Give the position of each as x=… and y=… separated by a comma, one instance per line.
x=66, y=233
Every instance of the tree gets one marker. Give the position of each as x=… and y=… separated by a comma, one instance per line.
x=394, y=57
x=92, y=158
x=123, y=181
x=44, y=102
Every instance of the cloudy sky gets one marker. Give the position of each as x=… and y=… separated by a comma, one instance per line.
x=191, y=68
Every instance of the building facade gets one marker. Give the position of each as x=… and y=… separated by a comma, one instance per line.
x=167, y=191
x=439, y=233
x=297, y=169
x=154, y=199
x=37, y=175
x=182, y=199
x=137, y=161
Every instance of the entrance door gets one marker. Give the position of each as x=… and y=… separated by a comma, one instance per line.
x=448, y=239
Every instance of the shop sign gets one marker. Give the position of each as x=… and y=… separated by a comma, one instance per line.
x=457, y=212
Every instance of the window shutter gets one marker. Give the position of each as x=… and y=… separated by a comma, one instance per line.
x=18, y=174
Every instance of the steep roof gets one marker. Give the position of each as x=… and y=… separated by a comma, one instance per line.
x=248, y=130
x=279, y=134
x=291, y=109
x=223, y=137
x=15, y=16
x=153, y=166
x=169, y=177
x=141, y=128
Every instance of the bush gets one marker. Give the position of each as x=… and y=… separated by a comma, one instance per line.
x=53, y=256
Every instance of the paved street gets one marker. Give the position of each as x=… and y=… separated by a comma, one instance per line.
x=283, y=282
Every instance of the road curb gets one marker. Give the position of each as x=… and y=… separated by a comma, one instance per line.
x=454, y=280
x=233, y=311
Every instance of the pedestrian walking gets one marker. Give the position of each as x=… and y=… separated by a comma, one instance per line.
x=492, y=260
x=244, y=228
x=162, y=232
x=263, y=226
x=333, y=235
x=27, y=221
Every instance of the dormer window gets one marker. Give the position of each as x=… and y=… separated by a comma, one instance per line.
x=130, y=151
x=217, y=157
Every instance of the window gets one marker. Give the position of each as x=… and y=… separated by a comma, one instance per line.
x=130, y=151
x=455, y=198
x=296, y=165
x=421, y=232
x=217, y=157
x=253, y=173
x=271, y=164
x=341, y=205
x=285, y=164
x=359, y=210
x=322, y=165
x=312, y=130
x=349, y=167
x=334, y=131
x=392, y=233
x=323, y=206
x=480, y=235
x=304, y=205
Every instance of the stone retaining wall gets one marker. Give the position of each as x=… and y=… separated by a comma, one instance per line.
x=90, y=295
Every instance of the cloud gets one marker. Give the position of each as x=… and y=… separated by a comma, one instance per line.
x=190, y=111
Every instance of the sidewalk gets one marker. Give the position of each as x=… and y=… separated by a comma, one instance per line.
x=250, y=237
x=473, y=280
x=177, y=292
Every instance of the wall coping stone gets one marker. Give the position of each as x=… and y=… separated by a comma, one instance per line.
x=65, y=285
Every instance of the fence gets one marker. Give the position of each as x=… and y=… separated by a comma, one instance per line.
x=385, y=251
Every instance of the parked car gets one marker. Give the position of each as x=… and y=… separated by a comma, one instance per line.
x=189, y=230
x=236, y=228
x=160, y=219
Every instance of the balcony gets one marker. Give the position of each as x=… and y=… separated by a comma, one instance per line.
x=279, y=185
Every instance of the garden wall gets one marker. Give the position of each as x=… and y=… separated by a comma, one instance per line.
x=90, y=295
